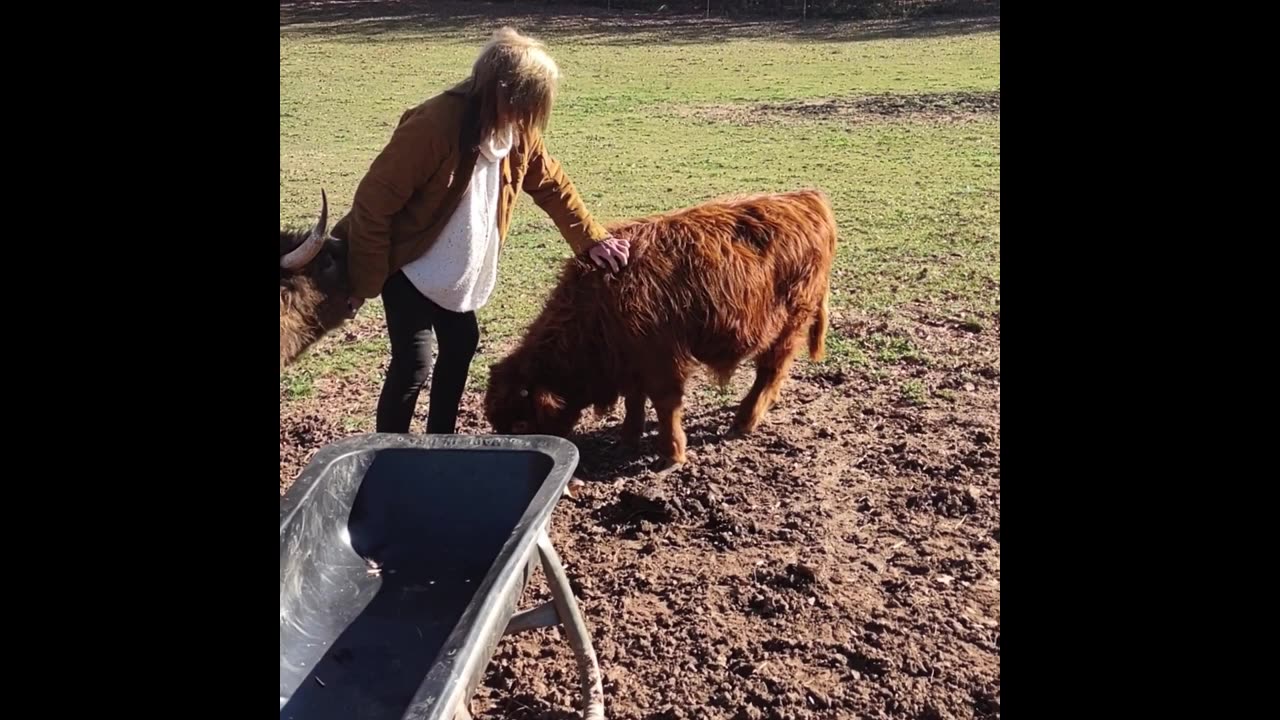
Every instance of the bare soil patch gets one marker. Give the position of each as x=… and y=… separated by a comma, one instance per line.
x=948, y=107
x=842, y=562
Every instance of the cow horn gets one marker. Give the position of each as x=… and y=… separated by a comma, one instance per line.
x=322, y=226
x=310, y=247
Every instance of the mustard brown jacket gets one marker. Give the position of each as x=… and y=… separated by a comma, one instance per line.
x=416, y=182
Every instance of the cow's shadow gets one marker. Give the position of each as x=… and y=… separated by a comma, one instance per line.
x=605, y=458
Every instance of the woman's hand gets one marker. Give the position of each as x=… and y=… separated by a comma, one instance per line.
x=611, y=253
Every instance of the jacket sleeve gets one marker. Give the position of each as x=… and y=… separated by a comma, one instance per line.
x=547, y=184
x=413, y=155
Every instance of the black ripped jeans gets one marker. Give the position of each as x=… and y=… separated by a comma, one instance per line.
x=411, y=321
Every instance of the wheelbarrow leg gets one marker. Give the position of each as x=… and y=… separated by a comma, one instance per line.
x=543, y=616
x=576, y=629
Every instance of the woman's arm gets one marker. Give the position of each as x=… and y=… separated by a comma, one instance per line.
x=552, y=190
x=414, y=153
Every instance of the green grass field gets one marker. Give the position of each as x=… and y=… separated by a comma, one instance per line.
x=917, y=196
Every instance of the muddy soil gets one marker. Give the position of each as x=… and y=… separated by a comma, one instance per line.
x=842, y=562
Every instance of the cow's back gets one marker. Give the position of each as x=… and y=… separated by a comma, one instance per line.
x=718, y=281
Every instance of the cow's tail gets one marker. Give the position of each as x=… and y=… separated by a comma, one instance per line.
x=818, y=331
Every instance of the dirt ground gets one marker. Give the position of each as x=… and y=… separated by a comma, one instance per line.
x=843, y=562
x=950, y=107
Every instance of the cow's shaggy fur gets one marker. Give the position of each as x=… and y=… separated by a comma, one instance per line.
x=712, y=284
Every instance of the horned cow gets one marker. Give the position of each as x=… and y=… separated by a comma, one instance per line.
x=713, y=284
x=313, y=285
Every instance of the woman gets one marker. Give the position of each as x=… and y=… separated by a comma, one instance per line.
x=428, y=220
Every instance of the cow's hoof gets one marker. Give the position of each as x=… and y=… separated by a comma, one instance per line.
x=737, y=432
x=666, y=465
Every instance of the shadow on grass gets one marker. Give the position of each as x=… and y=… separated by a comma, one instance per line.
x=357, y=20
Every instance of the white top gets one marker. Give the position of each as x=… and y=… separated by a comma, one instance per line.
x=459, y=271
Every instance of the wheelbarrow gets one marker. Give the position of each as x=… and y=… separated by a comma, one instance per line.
x=402, y=560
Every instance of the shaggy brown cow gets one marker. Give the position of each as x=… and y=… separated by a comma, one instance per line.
x=313, y=285
x=713, y=284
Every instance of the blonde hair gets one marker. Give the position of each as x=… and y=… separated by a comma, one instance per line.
x=514, y=83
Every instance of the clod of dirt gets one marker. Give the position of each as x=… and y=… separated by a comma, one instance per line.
x=800, y=576
x=935, y=712
x=633, y=510
x=864, y=663
x=953, y=502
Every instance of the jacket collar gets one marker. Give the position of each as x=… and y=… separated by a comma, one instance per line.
x=462, y=89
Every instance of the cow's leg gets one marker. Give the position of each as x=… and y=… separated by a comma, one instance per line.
x=633, y=420
x=771, y=369
x=671, y=439
x=667, y=392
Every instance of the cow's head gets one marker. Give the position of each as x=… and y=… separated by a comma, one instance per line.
x=316, y=254
x=518, y=402
x=313, y=285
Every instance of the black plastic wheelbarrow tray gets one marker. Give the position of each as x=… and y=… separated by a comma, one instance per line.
x=402, y=559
